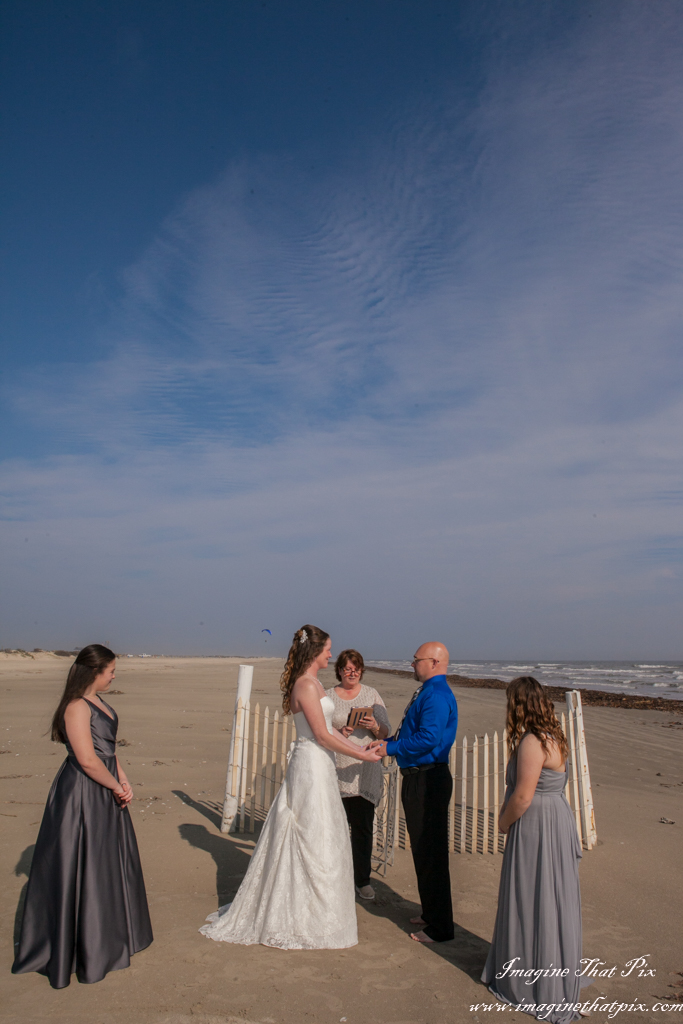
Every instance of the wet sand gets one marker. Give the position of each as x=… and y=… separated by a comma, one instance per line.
x=175, y=715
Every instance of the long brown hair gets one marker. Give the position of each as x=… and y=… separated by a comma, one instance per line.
x=307, y=644
x=89, y=663
x=530, y=710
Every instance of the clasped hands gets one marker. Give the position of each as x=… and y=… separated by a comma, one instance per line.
x=124, y=797
x=376, y=747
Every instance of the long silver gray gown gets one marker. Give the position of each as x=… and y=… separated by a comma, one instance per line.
x=86, y=908
x=539, y=903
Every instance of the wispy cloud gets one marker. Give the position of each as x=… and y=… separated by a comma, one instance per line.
x=436, y=387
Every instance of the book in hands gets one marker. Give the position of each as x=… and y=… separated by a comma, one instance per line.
x=356, y=715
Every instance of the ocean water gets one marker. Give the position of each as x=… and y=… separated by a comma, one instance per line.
x=645, y=679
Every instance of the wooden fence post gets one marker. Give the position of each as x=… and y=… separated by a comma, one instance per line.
x=245, y=675
x=463, y=798
x=399, y=816
x=575, y=778
x=254, y=767
x=496, y=793
x=273, y=751
x=233, y=774
x=264, y=757
x=451, y=804
x=505, y=770
x=563, y=723
x=475, y=794
x=286, y=722
x=244, y=760
x=587, y=813
x=485, y=836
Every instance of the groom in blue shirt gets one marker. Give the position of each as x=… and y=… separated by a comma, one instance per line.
x=421, y=746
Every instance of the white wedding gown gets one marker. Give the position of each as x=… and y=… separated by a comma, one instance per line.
x=298, y=892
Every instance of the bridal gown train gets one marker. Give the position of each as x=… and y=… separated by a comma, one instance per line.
x=298, y=891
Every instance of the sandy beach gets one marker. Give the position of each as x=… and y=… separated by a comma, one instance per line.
x=175, y=716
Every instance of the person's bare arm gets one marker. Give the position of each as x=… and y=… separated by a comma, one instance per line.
x=127, y=788
x=530, y=759
x=77, y=725
x=306, y=698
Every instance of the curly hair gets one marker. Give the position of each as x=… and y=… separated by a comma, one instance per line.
x=530, y=710
x=89, y=663
x=356, y=659
x=307, y=644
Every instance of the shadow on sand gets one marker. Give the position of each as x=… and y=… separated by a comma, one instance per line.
x=466, y=951
x=230, y=853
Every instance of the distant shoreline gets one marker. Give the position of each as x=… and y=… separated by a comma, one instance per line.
x=596, y=698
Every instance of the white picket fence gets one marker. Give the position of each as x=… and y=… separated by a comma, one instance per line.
x=262, y=743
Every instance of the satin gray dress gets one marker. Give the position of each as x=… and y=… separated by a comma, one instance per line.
x=86, y=908
x=539, y=904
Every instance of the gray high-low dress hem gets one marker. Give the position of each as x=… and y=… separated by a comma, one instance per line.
x=86, y=908
x=538, y=924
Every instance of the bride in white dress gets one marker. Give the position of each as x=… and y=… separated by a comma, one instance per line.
x=298, y=892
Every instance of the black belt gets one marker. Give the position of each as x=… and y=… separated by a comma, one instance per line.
x=413, y=769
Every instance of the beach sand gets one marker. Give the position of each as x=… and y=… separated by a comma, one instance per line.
x=175, y=714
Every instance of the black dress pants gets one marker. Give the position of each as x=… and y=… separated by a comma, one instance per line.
x=360, y=814
x=425, y=797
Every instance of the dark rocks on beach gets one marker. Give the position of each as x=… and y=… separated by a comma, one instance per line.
x=596, y=698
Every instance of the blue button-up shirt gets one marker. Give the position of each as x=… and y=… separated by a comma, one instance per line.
x=428, y=731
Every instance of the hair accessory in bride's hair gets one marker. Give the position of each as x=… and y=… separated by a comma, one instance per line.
x=303, y=637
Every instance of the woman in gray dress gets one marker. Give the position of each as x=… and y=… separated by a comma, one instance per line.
x=535, y=957
x=360, y=783
x=86, y=909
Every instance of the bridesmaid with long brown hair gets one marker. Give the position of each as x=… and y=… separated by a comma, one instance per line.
x=86, y=909
x=534, y=961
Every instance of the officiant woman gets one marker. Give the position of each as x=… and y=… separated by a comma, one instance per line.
x=360, y=782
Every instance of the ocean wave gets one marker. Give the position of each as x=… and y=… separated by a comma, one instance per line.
x=610, y=677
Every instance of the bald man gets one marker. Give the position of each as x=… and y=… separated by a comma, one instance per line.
x=421, y=746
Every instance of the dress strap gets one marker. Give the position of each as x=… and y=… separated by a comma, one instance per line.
x=112, y=716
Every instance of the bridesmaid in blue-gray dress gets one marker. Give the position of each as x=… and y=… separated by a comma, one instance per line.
x=535, y=952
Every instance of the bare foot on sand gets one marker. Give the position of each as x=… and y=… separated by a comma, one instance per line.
x=420, y=937
x=417, y=920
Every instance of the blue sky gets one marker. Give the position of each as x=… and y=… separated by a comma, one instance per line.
x=365, y=314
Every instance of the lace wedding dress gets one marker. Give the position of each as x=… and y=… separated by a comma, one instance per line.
x=298, y=890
